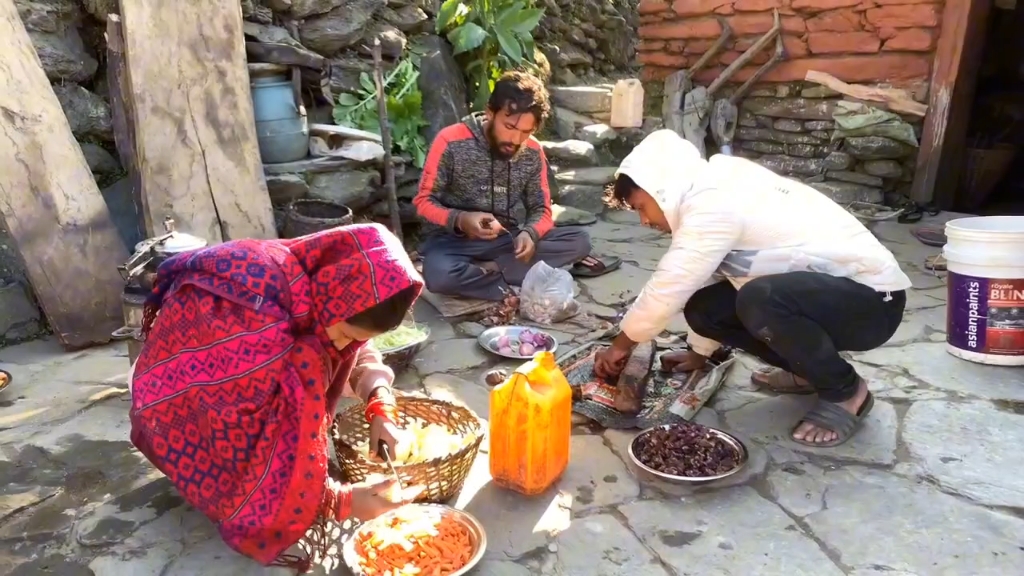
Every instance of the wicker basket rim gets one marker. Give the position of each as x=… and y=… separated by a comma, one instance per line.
x=478, y=431
x=413, y=469
x=293, y=211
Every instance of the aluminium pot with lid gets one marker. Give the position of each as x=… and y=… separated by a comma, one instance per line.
x=172, y=243
x=151, y=252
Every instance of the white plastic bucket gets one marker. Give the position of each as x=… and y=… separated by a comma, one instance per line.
x=985, y=300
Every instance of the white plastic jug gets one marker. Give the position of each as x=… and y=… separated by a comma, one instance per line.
x=627, y=104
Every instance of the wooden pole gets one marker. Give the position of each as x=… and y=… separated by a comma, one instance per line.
x=385, y=137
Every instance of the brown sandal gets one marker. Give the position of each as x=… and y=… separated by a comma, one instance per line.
x=781, y=382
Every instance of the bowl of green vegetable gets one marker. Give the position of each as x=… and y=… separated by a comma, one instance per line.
x=400, y=346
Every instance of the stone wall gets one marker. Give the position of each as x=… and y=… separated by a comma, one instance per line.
x=588, y=38
x=789, y=128
x=854, y=40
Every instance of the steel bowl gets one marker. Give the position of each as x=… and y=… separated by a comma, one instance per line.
x=476, y=535
x=6, y=381
x=488, y=340
x=398, y=358
x=740, y=447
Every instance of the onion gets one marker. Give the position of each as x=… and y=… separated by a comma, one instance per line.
x=505, y=349
x=504, y=342
x=528, y=336
x=527, y=349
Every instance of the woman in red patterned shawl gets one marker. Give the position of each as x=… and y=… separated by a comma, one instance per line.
x=241, y=372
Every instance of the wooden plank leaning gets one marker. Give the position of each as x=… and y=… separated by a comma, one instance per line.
x=50, y=203
x=195, y=131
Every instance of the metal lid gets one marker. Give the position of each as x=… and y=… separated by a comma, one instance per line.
x=178, y=242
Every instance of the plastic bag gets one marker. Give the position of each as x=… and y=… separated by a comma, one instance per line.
x=548, y=295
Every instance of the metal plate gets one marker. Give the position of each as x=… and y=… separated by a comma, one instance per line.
x=476, y=535
x=673, y=479
x=489, y=340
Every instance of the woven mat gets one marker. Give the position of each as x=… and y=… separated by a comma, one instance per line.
x=669, y=398
x=452, y=307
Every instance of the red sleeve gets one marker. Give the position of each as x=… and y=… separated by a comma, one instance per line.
x=538, y=196
x=433, y=183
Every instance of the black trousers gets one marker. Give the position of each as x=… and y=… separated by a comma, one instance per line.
x=800, y=321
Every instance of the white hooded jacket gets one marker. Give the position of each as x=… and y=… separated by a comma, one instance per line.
x=733, y=219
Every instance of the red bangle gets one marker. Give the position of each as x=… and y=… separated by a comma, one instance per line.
x=344, y=509
x=382, y=406
x=329, y=506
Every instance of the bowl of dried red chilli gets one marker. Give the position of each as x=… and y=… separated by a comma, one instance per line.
x=687, y=453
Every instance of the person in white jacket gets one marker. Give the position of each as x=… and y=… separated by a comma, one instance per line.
x=764, y=264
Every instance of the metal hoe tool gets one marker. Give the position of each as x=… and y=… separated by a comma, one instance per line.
x=680, y=102
x=725, y=114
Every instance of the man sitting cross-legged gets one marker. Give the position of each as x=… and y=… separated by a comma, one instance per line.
x=484, y=195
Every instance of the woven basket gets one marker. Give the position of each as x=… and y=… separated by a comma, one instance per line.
x=442, y=478
x=308, y=216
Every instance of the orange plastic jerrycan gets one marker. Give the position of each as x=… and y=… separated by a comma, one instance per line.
x=531, y=425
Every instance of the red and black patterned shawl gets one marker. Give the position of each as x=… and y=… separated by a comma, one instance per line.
x=237, y=383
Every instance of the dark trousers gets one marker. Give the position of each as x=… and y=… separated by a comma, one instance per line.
x=799, y=321
x=451, y=264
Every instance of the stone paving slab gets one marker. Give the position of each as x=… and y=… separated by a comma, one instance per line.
x=931, y=485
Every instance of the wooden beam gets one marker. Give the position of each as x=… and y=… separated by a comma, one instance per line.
x=890, y=98
x=49, y=201
x=195, y=132
x=951, y=96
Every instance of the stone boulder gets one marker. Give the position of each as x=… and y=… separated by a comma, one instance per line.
x=339, y=28
x=876, y=148
x=284, y=188
x=582, y=99
x=442, y=85
x=99, y=9
x=53, y=27
x=392, y=40
x=846, y=192
x=883, y=168
x=406, y=18
x=597, y=134
x=583, y=196
x=782, y=164
x=99, y=160
x=19, y=316
x=87, y=114
x=306, y=8
x=570, y=152
x=356, y=189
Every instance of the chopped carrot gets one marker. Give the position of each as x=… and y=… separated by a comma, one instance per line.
x=415, y=544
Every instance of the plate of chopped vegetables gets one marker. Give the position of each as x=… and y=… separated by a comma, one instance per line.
x=517, y=342
x=404, y=336
x=400, y=346
x=417, y=540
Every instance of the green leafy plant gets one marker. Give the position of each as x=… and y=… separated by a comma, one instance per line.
x=405, y=109
x=490, y=37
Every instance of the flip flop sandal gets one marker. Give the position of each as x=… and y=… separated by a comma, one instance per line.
x=930, y=235
x=779, y=381
x=935, y=263
x=834, y=417
x=602, y=267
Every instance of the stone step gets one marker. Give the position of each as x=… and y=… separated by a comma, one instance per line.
x=570, y=152
x=582, y=99
x=596, y=176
